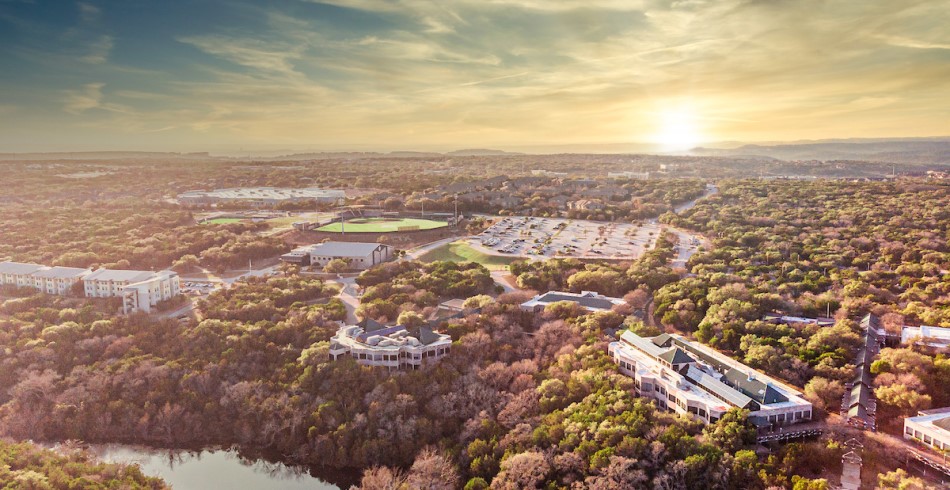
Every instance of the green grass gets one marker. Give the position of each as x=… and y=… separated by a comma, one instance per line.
x=223, y=221
x=288, y=221
x=382, y=225
x=462, y=252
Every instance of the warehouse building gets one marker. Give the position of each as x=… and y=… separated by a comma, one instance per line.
x=359, y=255
x=690, y=378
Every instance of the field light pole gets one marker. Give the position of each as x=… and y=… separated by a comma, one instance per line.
x=456, y=211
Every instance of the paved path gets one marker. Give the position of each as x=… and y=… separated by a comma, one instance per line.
x=499, y=278
x=687, y=247
x=349, y=296
x=415, y=253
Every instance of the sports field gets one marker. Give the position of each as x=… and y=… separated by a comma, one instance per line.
x=462, y=252
x=382, y=225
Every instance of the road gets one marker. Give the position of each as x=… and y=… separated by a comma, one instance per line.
x=349, y=296
x=686, y=247
x=415, y=253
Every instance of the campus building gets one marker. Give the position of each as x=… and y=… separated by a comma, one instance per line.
x=262, y=196
x=50, y=280
x=930, y=427
x=589, y=300
x=690, y=378
x=936, y=337
x=360, y=256
x=139, y=290
x=393, y=347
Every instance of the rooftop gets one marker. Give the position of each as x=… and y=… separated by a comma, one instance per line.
x=61, y=273
x=588, y=299
x=19, y=268
x=275, y=193
x=124, y=275
x=344, y=249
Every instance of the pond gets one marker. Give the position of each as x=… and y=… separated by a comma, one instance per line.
x=216, y=469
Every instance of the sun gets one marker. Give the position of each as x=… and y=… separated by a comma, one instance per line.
x=677, y=129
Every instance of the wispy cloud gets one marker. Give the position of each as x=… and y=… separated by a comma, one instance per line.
x=99, y=50
x=84, y=99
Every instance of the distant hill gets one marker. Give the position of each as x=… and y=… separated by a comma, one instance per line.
x=898, y=150
x=479, y=152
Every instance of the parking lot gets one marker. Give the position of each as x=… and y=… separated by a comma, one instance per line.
x=555, y=237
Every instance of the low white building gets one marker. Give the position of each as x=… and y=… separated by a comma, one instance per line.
x=51, y=280
x=937, y=337
x=393, y=347
x=139, y=290
x=930, y=427
x=690, y=378
x=589, y=300
x=263, y=196
x=359, y=255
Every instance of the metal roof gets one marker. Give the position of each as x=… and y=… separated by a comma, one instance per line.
x=676, y=356
x=598, y=302
x=753, y=388
x=19, y=268
x=61, y=272
x=717, y=387
x=345, y=249
x=121, y=275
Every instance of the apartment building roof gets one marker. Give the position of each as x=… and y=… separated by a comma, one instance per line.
x=61, y=273
x=123, y=275
x=19, y=268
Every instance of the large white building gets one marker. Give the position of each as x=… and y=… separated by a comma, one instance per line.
x=690, y=378
x=51, y=280
x=393, y=347
x=139, y=290
x=589, y=300
x=263, y=196
x=359, y=255
x=930, y=427
x=936, y=337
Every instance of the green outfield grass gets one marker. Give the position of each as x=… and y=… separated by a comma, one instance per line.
x=462, y=252
x=382, y=225
x=223, y=221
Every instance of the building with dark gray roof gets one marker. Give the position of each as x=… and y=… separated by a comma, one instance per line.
x=690, y=378
x=589, y=300
x=394, y=347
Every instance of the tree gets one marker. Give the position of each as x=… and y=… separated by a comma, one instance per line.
x=902, y=398
x=899, y=479
x=410, y=319
x=432, y=470
x=336, y=266
x=824, y=393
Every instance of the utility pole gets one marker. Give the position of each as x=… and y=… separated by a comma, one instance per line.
x=456, y=211
x=423, y=201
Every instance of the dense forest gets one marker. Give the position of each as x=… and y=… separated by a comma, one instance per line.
x=525, y=400
x=26, y=466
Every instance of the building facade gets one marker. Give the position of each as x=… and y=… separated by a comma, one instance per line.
x=392, y=347
x=139, y=290
x=936, y=337
x=690, y=378
x=930, y=428
x=360, y=256
x=50, y=280
x=589, y=300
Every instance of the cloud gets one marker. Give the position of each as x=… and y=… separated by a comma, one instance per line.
x=88, y=12
x=911, y=43
x=79, y=101
x=99, y=50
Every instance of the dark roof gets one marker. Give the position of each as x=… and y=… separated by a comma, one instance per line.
x=871, y=320
x=860, y=395
x=662, y=340
x=676, y=356
x=864, y=376
x=761, y=392
x=585, y=301
x=943, y=423
x=717, y=388
x=857, y=411
x=427, y=336
x=370, y=325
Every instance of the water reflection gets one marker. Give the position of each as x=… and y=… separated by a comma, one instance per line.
x=211, y=469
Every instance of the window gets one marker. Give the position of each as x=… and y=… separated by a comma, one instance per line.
x=908, y=431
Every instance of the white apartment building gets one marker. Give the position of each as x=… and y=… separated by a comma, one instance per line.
x=50, y=280
x=393, y=347
x=589, y=300
x=690, y=378
x=139, y=290
x=936, y=337
x=930, y=427
x=359, y=255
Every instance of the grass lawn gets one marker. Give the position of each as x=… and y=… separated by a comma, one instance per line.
x=381, y=225
x=288, y=221
x=223, y=221
x=461, y=252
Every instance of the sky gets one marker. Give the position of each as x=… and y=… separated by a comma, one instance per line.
x=236, y=75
